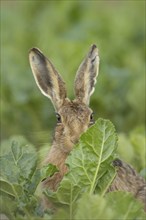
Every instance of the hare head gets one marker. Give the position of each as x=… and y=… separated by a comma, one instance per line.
x=73, y=116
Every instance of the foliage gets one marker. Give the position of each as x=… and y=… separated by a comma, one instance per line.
x=82, y=192
x=20, y=177
x=132, y=147
x=64, y=30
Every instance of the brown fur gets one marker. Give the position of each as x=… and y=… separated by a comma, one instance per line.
x=127, y=179
x=75, y=118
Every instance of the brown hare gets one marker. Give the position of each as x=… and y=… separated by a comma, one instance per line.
x=74, y=118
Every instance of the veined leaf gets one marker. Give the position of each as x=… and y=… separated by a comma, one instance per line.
x=105, y=181
x=11, y=189
x=92, y=156
x=8, y=206
x=20, y=178
x=18, y=163
x=6, y=146
x=88, y=162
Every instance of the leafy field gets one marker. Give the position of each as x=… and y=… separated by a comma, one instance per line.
x=82, y=192
x=64, y=31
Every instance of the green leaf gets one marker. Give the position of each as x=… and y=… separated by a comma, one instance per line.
x=116, y=205
x=39, y=175
x=48, y=170
x=61, y=214
x=105, y=181
x=92, y=207
x=18, y=167
x=125, y=148
x=8, y=206
x=125, y=206
x=66, y=196
x=18, y=163
x=11, y=189
x=88, y=162
x=20, y=177
x=16, y=151
x=138, y=141
x=132, y=147
x=6, y=145
x=92, y=156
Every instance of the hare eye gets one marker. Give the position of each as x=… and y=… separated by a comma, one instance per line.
x=58, y=118
x=92, y=117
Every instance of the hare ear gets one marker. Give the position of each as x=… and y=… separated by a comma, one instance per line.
x=86, y=76
x=47, y=78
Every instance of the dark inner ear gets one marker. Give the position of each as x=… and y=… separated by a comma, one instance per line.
x=41, y=70
x=44, y=79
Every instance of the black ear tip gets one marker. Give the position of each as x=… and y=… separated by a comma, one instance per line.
x=35, y=50
x=35, y=53
x=93, y=53
x=94, y=46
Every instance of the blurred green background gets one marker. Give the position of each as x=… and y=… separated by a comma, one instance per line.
x=64, y=31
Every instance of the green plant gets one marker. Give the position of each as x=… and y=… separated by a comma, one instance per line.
x=82, y=192
x=72, y=26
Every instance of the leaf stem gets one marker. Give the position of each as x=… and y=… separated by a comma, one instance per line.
x=97, y=170
x=128, y=210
